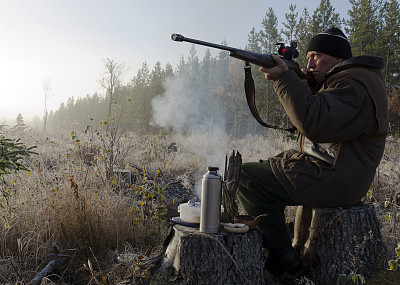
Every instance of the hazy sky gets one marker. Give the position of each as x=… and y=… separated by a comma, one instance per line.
x=65, y=42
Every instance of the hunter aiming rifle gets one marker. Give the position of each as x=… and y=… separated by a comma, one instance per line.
x=287, y=54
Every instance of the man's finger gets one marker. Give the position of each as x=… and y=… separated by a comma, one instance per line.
x=280, y=62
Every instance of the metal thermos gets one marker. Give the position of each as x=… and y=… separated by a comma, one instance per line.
x=210, y=201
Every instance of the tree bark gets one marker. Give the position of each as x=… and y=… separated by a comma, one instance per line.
x=341, y=241
x=223, y=258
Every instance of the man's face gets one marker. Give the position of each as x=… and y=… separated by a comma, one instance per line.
x=320, y=63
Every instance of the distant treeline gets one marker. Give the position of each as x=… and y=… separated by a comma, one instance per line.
x=372, y=26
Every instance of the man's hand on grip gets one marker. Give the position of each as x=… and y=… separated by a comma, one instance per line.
x=274, y=72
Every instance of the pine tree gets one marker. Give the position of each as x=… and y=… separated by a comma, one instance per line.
x=389, y=43
x=268, y=104
x=140, y=100
x=156, y=81
x=219, y=68
x=168, y=71
x=12, y=152
x=324, y=17
x=253, y=41
x=269, y=34
x=20, y=119
x=233, y=99
x=223, y=60
x=193, y=62
x=304, y=35
x=291, y=23
x=180, y=69
x=362, y=26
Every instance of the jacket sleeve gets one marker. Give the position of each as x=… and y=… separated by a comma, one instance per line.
x=342, y=111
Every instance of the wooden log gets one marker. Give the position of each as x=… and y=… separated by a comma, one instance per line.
x=341, y=241
x=302, y=224
x=223, y=258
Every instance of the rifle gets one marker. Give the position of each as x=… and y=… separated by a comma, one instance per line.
x=265, y=60
x=287, y=54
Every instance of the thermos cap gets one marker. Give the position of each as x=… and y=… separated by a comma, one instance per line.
x=213, y=168
x=212, y=173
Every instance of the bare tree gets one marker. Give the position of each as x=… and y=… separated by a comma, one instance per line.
x=111, y=81
x=47, y=93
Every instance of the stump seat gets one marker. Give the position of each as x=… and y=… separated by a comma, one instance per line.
x=334, y=241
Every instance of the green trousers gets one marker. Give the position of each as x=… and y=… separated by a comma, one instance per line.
x=259, y=192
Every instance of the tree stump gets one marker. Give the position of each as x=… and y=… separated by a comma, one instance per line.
x=223, y=258
x=339, y=241
x=229, y=187
x=123, y=178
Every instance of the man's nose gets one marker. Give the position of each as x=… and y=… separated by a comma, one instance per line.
x=311, y=63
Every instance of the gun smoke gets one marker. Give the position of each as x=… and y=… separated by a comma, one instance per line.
x=187, y=110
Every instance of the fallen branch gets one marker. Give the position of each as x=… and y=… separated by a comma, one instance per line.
x=59, y=261
x=136, y=167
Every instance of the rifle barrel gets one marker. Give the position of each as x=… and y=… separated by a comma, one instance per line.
x=180, y=38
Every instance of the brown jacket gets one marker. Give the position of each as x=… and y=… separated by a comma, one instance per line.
x=342, y=131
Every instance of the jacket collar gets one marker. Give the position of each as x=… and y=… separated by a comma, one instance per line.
x=358, y=61
x=369, y=61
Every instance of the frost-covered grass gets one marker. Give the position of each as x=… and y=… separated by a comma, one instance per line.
x=65, y=201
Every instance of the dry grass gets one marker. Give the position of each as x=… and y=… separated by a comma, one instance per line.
x=65, y=202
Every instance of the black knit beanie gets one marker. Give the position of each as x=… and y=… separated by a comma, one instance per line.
x=332, y=42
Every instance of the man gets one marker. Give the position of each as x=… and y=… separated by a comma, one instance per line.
x=342, y=123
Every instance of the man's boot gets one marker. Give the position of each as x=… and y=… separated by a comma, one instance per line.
x=283, y=260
